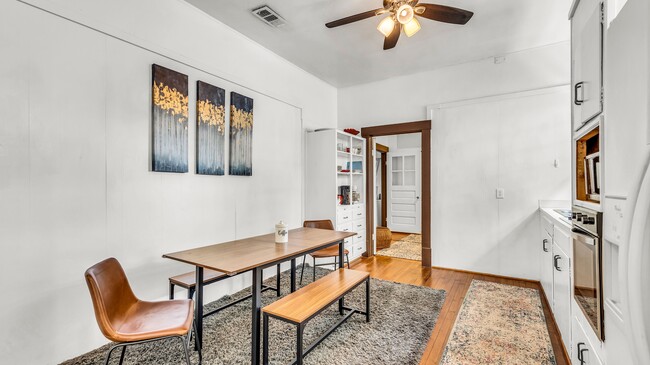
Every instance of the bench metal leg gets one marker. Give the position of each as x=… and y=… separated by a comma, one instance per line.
x=368, y=300
x=277, y=282
x=299, y=355
x=265, y=339
x=314, y=277
x=171, y=291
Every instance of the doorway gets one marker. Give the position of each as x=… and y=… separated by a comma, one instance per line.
x=412, y=213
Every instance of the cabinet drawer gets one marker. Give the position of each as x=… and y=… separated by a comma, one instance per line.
x=359, y=212
x=582, y=352
x=343, y=215
x=547, y=225
x=359, y=244
x=563, y=238
x=359, y=226
x=345, y=227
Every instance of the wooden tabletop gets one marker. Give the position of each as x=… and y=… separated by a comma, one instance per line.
x=238, y=256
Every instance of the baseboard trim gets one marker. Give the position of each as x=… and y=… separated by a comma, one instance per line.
x=488, y=274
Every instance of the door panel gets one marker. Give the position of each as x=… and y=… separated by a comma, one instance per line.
x=547, y=266
x=562, y=293
x=404, y=203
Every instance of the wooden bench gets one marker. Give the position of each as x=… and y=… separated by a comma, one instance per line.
x=304, y=304
x=188, y=281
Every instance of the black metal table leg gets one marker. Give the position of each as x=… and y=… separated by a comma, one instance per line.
x=256, y=310
x=293, y=275
x=198, y=311
x=341, y=255
x=368, y=300
x=277, y=281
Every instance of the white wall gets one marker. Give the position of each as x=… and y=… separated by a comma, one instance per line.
x=503, y=247
x=404, y=99
x=510, y=142
x=75, y=185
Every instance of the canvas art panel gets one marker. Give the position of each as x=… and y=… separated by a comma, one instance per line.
x=170, y=120
x=241, y=135
x=210, y=129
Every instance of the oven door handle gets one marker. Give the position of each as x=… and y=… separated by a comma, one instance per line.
x=584, y=238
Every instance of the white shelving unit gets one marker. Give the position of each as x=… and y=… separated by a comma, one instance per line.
x=333, y=159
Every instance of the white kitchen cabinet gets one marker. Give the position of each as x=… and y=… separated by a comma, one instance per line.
x=546, y=268
x=587, y=28
x=562, y=293
x=334, y=159
x=582, y=352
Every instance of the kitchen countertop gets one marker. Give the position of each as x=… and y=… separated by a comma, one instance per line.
x=557, y=218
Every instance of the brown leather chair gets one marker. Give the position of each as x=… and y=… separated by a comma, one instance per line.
x=324, y=253
x=127, y=320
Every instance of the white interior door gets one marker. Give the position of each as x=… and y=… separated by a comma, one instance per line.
x=404, y=203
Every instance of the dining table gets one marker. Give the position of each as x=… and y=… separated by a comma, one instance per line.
x=255, y=254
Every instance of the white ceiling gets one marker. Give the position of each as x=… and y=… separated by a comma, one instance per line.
x=352, y=54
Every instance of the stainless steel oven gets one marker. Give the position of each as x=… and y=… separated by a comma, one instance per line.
x=587, y=266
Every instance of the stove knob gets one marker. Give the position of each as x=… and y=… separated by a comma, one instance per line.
x=589, y=220
x=574, y=215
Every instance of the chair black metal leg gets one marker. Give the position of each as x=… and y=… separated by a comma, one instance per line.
x=347, y=258
x=122, y=355
x=302, y=271
x=108, y=355
x=265, y=339
x=190, y=293
x=171, y=291
x=277, y=281
x=299, y=356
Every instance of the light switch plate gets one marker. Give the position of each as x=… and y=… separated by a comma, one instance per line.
x=501, y=193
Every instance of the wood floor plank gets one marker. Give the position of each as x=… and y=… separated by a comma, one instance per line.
x=456, y=283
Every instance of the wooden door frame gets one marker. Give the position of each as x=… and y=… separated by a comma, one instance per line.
x=383, y=150
x=369, y=133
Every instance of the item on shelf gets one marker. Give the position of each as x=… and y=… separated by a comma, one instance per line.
x=356, y=166
x=347, y=149
x=339, y=147
x=352, y=131
x=281, y=233
x=339, y=168
x=344, y=190
x=355, y=195
x=339, y=199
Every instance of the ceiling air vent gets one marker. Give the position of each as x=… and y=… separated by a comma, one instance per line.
x=269, y=16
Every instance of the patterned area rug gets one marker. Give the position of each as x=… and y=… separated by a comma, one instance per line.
x=409, y=247
x=499, y=324
x=397, y=333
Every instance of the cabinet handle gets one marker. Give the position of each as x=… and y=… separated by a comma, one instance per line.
x=555, y=260
x=581, y=356
x=575, y=93
x=544, y=242
x=580, y=352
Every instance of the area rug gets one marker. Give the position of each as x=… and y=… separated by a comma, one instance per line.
x=409, y=247
x=499, y=324
x=402, y=318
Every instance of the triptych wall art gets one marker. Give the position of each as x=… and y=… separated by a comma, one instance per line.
x=170, y=114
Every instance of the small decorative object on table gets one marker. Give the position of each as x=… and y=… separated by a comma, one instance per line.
x=351, y=131
x=281, y=233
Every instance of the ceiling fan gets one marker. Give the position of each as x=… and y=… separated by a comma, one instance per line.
x=402, y=15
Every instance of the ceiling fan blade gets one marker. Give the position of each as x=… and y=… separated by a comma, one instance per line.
x=443, y=13
x=391, y=40
x=353, y=18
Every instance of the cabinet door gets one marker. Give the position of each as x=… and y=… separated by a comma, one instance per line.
x=582, y=351
x=587, y=61
x=547, y=266
x=562, y=293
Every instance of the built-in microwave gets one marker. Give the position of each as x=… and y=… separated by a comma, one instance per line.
x=588, y=171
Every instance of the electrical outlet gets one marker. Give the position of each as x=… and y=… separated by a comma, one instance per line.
x=501, y=193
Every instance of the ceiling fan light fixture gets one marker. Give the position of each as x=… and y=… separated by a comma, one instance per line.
x=405, y=13
x=411, y=27
x=386, y=26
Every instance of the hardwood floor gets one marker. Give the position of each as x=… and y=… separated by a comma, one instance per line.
x=456, y=283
